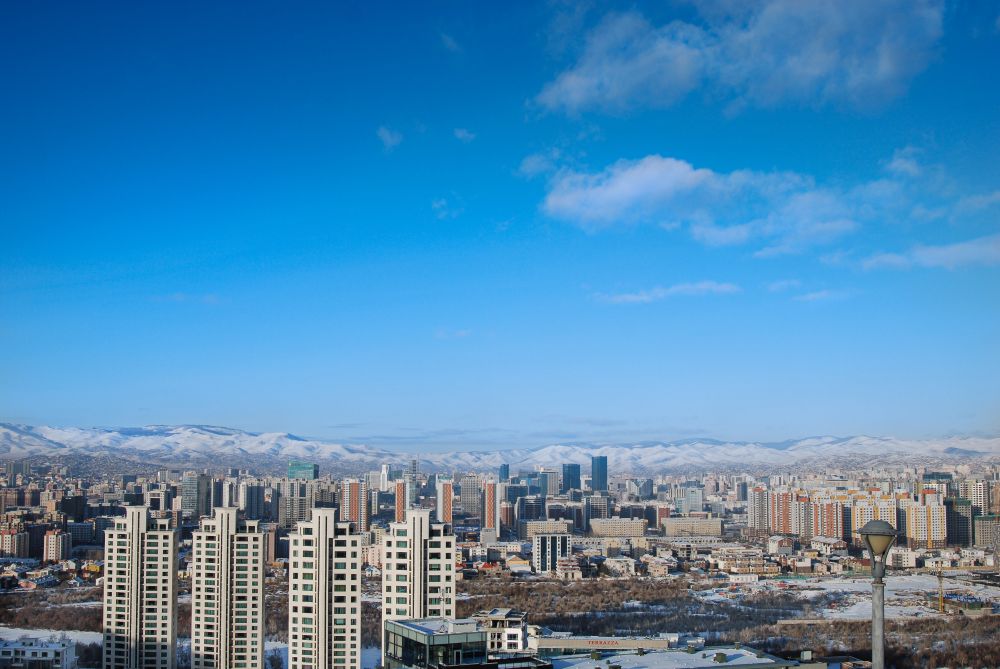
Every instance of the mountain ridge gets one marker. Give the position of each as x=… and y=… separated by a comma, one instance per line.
x=206, y=445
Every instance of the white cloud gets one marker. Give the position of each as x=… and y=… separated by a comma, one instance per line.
x=539, y=163
x=663, y=292
x=390, y=138
x=979, y=251
x=904, y=162
x=449, y=43
x=973, y=203
x=856, y=53
x=787, y=212
x=463, y=135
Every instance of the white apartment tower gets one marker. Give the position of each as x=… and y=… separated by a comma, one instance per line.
x=418, y=573
x=140, y=592
x=324, y=594
x=418, y=569
x=227, y=592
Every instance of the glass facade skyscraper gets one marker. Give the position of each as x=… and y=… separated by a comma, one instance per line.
x=303, y=470
x=570, y=478
x=599, y=473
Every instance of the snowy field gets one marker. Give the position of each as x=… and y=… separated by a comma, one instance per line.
x=906, y=596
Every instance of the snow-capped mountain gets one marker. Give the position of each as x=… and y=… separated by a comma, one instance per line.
x=198, y=445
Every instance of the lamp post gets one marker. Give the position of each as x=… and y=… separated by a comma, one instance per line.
x=879, y=537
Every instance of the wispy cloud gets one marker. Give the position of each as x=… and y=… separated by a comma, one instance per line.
x=904, y=162
x=390, y=138
x=788, y=212
x=464, y=135
x=446, y=209
x=449, y=43
x=663, y=292
x=543, y=162
x=854, y=53
x=821, y=295
x=783, y=285
x=979, y=251
x=445, y=333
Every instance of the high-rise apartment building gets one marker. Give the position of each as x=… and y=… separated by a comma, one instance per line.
x=140, y=592
x=418, y=568
x=251, y=500
x=758, y=518
x=470, y=495
x=196, y=495
x=294, y=499
x=227, y=592
x=56, y=546
x=490, y=507
x=570, y=478
x=354, y=503
x=403, y=500
x=445, y=500
x=599, y=473
x=324, y=594
x=548, y=549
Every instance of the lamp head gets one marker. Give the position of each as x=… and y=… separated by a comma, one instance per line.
x=879, y=537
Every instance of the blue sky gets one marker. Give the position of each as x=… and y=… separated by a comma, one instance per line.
x=463, y=225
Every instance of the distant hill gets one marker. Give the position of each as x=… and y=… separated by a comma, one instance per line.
x=207, y=446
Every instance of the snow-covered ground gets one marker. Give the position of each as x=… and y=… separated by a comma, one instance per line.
x=909, y=595
x=78, y=637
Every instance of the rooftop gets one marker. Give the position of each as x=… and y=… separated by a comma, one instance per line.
x=675, y=659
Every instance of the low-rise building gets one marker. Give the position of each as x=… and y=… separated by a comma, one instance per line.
x=38, y=653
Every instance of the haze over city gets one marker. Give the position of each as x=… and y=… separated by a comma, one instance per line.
x=440, y=226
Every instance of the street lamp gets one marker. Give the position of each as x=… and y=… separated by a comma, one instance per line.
x=879, y=537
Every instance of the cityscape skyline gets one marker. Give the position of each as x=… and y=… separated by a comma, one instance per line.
x=394, y=228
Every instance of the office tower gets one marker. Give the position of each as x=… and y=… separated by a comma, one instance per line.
x=445, y=500
x=418, y=577
x=298, y=469
x=227, y=592
x=504, y=473
x=250, y=500
x=694, y=497
x=196, y=495
x=414, y=467
x=570, y=478
x=324, y=594
x=530, y=508
x=354, y=503
x=140, y=592
x=548, y=482
x=56, y=546
x=742, y=490
x=599, y=473
x=469, y=495
x=548, y=549
x=959, y=519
